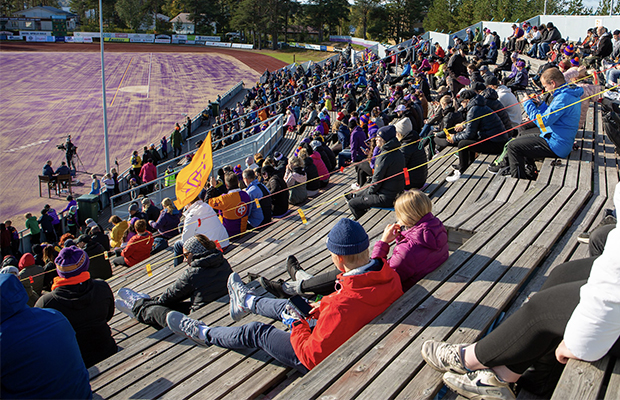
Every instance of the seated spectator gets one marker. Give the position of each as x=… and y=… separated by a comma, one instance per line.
x=63, y=169
x=138, y=248
x=357, y=139
x=508, y=100
x=295, y=179
x=327, y=155
x=99, y=267
x=28, y=268
x=482, y=124
x=280, y=163
x=48, y=170
x=574, y=316
x=445, y=119
x=150, y=210
x=135, y=212
x=259, y=216
x=506, y=64
x=199, y=218
x=116, y=235
x=290, y=123
x=343, y=134
x=492, y=101
x=203, y=281
x=383, y=189
x=166, y=225
x=604, y=48
x=233, y=206
x=415, y=157
x=88, y=304
x=368, y=287
x=560, y=125
x=278, y=189
x=421, y=247
x=313, y=182
x=32, y=337
x=49, y=255
x=491, y=56
x=96, y=233
x=551, y=34
x=519, y=81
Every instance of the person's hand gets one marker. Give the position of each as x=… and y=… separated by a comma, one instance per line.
x=450, y=138
x=289, y=316
x=213, y=182
x=390, y=233
x=563, y=354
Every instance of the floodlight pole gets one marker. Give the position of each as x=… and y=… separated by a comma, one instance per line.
x=105, y=112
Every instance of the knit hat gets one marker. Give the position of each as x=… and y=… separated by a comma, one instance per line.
x=364, y=119
x=9, y=270
x=387, y=133
x=400, y=107
x=315, y=144
x=71, y=261
x=569, y=50
x=491, y=80
x=347, y=237
x=520, y=63
x=26, y=261
x=468, y=94
x=192, y=245
x=575, y=61
x=505, y=49
x=478, y=86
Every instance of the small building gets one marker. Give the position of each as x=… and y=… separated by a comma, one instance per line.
x=182, y=25
x=40, y=19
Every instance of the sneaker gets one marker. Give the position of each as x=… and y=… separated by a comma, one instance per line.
x=443, y=357
x=183, y=325
x=496, y=169
x=292, y=266
x=237, y=291
x=584, y=238
x=355, y=186
x=131, y=296
x=481, y=384
x=454, y=176
x=273, y=287
x=123, y=307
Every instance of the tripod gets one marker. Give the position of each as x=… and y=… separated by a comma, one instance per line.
x=79, y=162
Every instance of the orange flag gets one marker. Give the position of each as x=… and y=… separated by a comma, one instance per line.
x=194, y=177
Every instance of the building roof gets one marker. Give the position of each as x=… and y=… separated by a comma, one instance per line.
x=51, y=10
x=183, y=18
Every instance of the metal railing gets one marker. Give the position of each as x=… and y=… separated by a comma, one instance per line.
x=236, y=153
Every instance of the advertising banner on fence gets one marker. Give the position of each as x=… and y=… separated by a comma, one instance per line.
x=218, y=44
x=242, y=46
x=115, y=39
x=141, y=38
x=35, y=33
x=78, y=39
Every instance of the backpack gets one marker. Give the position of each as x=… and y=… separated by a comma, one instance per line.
x=611, y=121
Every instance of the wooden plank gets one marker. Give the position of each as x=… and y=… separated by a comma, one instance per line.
x=613, y=387
x=581, y=380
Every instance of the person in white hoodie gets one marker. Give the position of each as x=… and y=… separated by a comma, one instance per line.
x=200, y=218
x=575, y=315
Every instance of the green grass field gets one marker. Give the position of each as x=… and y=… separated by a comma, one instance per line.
x=299, y=56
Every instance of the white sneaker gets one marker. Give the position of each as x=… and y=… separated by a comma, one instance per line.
x=237, y=291
x=131, y=296
x=355, y=186
x=123, y=307
x=443, y=357
x=478, y=385
x=454, y=176
x=183, y=325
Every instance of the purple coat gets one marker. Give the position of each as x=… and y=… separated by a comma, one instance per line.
x=167, y=224
x=418, y=251
x=358, y=136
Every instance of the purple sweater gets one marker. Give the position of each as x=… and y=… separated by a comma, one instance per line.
x=418, y=251
x=357, y=143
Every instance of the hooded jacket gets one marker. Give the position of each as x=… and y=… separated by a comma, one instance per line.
x=279, y=195
x=167, y=223
x=117, y=233
x=32, y=337
x=88, y=306
x=413, y=154
x=419, y=250
x=99, y=267
x=357, y=143
x=138, y=248
x=200, y=218
x=296, y=182
x=492, y=100
x=312, y=173
x=233, y=210
x=364, y=294
x=203, y=281
x=388, y=163
x=320, y=166
x=560, y=126
x=481, y=128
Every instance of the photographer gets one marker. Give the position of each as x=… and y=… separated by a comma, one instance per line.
x=70, y=149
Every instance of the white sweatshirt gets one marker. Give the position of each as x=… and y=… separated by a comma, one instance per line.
x=595, y=324
x=201, y=218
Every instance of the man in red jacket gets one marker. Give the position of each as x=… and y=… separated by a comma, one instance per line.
x=138, y=248
x=366, y=288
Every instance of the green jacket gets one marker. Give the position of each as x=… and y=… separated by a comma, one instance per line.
x=170, y=179
x=33, y=225
x=175, y=139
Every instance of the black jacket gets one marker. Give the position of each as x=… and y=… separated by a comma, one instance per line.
x=312, y=174
x=99, y=267
x=481, y=128
x=46, y=223
x=203, y=281
x=152, y=213
x=279, y=200
x=605, y=46
x=88, y=306
x=96, y=235
x=414, y=156
x=492, y=56
x=330, y=156
x=552, y=34
x=492, y=100
x=325, y=159
x=281, y=167
x=450, y=119
x=387, y=164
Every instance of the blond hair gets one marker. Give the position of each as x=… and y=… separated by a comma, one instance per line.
x=446, y=100
x=167, y=203
x=303, y=154
x=411, y=206
x=355, y=259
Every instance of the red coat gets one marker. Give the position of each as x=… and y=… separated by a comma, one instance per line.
x=138, y=249
x=341, y=314
x=148, y=172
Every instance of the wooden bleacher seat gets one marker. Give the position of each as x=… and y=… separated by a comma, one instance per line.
x=50, y=183
x=64, y=181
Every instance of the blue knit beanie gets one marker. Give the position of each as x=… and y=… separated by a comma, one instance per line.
x=347, y=237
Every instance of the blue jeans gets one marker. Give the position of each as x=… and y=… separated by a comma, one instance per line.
x=344, y=156
x=543, y=49
x=178, y=251
x=533, y=50
x=612, y=76
x=257, y=335
x=426, y=129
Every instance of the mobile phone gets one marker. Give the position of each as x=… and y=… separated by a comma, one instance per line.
x=300, y=305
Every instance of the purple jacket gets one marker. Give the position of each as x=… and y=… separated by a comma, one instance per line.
x=418, y=251
x=167, y=224
x=358, y=136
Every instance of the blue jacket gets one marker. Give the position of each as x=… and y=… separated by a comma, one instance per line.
x=31, y=338
x=95, y=187
x=561, y=126
x=167, y=224
x=48, y=171
x=256, y=214
x=481, y=128
x=344, y=135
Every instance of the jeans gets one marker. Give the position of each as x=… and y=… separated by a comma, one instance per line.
x=533, y=50
x=159, y=244
x=257, y=335
x=612, y=76
x=537, y=328
x=524, y=149
x=426, y=129
x=543, y=49
x=178, y=251
x=344, y=156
